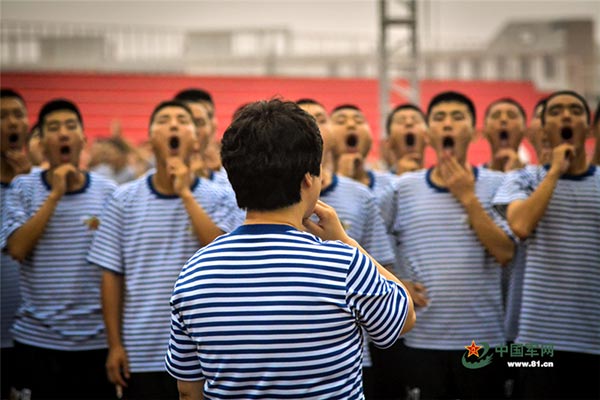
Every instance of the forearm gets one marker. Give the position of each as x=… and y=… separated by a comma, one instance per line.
x=493, y=238
x=22, y=241
x=524, y=215
x=204, y=228
x=190, y=390
x=112, y=306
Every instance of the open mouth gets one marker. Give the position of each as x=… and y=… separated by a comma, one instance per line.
x=410, y=139
x=503, y=135
x=448, y=143
x=352, y=140
x=566, y=133
x=13, y=138
x=65, y=150
x=174, y=143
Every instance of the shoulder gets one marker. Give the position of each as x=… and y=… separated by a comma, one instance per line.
x=353, y=187
x=100, y=181
x=28, y=181
x=410, y=178
x=135, y=190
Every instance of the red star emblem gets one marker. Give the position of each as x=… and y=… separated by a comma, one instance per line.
x=473, y=349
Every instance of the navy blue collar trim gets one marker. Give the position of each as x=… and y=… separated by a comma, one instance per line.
x=371, y=179
x=4, y=184
x=443, y=189
x=590, y=172
x=168, y=196
x=86, y=184
x=331, y=187
x=257, y=229
x=211, y=176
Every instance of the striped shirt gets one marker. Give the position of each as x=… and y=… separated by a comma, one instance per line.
x=560, y=300
x=358, y=211
x=379, y=181
x=440, y=250
x=10, y=294
x=60, y=290
x=271, y=312
x=148, y=237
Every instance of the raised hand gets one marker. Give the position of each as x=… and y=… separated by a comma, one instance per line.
x=180, y=175
x=562, y=156
x=329, y=226
x=508, y=159
x=458, y=179
x=18, y=161
x=409, y=162
x=60, y=175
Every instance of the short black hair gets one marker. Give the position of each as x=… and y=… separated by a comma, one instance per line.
x=5, y=92
x=452, y=97
x=57, y=105
x=507, y=100
x=306, y=100
x=170, y=103
x=194, y=95
x=400, y=107
x=344, y=106
x=267, y=150
x=568, y=93
x=597, y=115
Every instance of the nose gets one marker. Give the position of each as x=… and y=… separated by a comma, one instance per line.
x=566, y=113
x=63, y=133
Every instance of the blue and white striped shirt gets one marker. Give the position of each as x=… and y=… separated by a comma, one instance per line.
x=560, y=299
x=380, y=181
x=9, y=279
x=60, y=290
x=271, y=312
x=440, y=250
x=148, y=237
x=357, y=209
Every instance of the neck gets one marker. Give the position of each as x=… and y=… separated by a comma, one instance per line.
x=161, y=180
x=291, y=215
x=579, y=164
x=362, y=176
x=326, y=178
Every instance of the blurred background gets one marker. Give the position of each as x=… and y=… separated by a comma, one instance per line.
x=118, y=59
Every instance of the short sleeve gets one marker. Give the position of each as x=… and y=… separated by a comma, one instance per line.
x=380, y=306
x=182, y=360
x=518, y=185
x=16, y=209
x=106, y=250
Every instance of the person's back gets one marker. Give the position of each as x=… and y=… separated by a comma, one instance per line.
x=271, y=311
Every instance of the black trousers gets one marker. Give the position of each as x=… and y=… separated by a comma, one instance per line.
x=439, y=374
x=573, y=376
x=151, y=386
x=55, y=374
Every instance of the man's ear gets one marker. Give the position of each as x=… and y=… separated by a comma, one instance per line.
x=307, y=181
